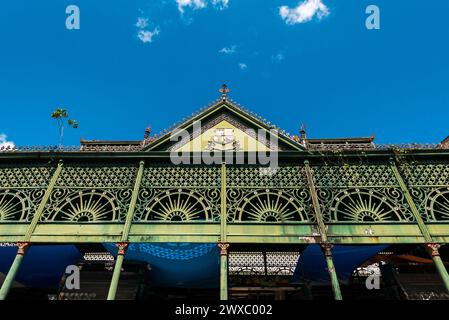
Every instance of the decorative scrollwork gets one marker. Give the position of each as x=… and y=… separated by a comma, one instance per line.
x=19, y=205
x=438, y=204
x=270, y=206
x=366, y=205
x=13, y=206
x=85, y=205
x=177, y=205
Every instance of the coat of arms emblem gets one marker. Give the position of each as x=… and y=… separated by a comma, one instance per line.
x=223, y=140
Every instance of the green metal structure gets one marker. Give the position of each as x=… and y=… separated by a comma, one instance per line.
x=315, y=196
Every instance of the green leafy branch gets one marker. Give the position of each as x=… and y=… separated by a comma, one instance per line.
x=60, y=115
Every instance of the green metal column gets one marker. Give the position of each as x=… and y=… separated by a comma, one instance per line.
x=431, y=247
x=223, y=270
x=327, y=250
x=432, y=250
x=7, y=284
x=325, y=245
x=23, y=245
x=123, y=244
x=223, y=245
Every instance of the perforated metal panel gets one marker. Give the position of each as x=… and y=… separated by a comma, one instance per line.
x=260, y=263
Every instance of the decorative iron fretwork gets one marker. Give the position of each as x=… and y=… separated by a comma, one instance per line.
x=363, y=175
x=181, y=176
x=91, y=192
x=429, y=187
x=177, y=193
x=19, y=205
x=277, y=196
x=282, y=263
x=177, y=205
x=87, y=205
x=347, y=193
x=22, y=189
x=259, y=263
x=30, y=176
x=260, y=177
x=368, y=205
x=269, y=205
x=246, y=263
x=98, y=256
x=97, y=176
x=360, y=193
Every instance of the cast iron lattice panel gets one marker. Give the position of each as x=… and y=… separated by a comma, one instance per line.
x=179, y=193
x=360, y=175
x=77, y=205
x=269, y=205
x=31, y=176
x=261, y=177
x=196, y=204
x=22, y=189
x=91, y=192
x=181, y=176
x=360, y=193
x=246, y=263
x=282, y=263
x=253, y=263
x=259, y=194
x=429, y=187
x=97, y=176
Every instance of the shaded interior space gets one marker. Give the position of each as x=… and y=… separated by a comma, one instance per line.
x=255, y=272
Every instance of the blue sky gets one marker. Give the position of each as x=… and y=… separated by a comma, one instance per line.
x=320, y=67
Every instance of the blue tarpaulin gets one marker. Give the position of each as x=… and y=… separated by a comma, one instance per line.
x=312, y=265
x=183, y=265
x=42, y=266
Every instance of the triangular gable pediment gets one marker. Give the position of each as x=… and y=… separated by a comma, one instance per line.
x=224, y=126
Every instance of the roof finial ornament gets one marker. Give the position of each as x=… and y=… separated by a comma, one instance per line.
x=303, y=133
x=147, y=133
x=224, y=91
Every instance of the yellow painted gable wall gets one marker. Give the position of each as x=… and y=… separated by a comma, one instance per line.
x=247, y=143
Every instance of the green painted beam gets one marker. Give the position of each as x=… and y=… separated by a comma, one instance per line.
x=381, y=233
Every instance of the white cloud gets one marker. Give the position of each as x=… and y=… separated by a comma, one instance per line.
x=221, y=4
x=278, y=57
x=304, y=12
x=228, y=50
x=243, y=66
x=201, y=4
x=194, y=4
x=146, y=36
x=4, y=143
x=142, y=23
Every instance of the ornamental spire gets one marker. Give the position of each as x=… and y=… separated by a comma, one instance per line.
x=224, y=91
